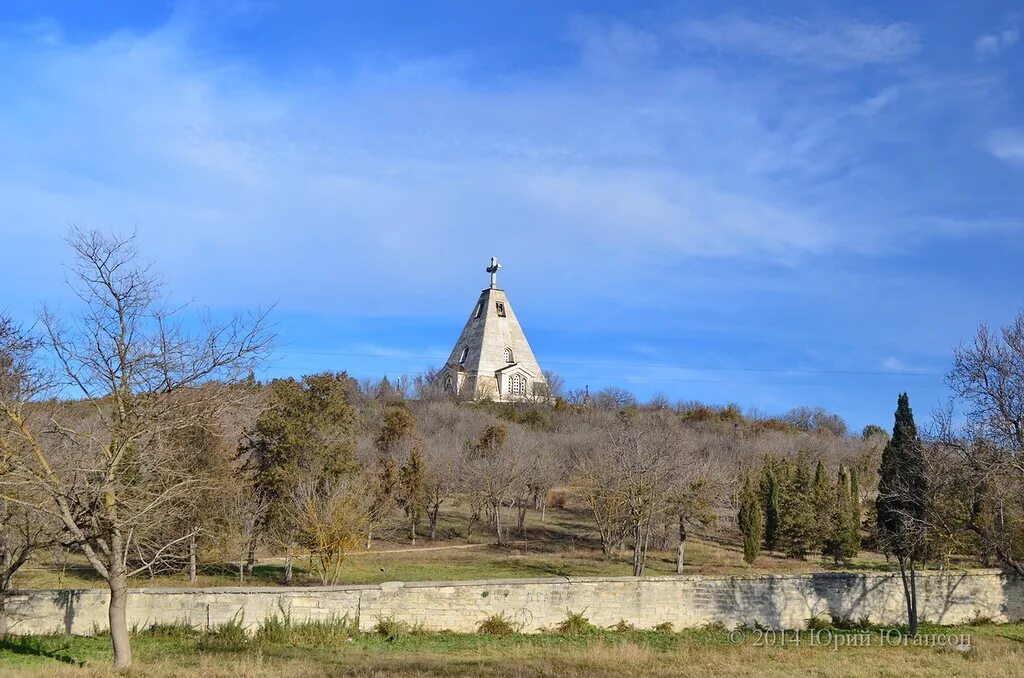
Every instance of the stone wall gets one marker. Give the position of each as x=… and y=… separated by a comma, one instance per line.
x=686, y=601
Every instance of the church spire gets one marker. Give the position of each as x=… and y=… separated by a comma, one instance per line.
x=493, y=270
x=492, y=358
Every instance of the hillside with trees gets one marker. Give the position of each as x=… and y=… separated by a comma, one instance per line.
x=136, y=445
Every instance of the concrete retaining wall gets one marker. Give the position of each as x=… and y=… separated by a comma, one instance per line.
x=685, y=601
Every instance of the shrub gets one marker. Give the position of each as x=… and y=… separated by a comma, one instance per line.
x=497, y=625
x=981, y=620
x=848, y=624
x=715, y=627
x=622, y=626
x=818, y=623
x=664, y=627
x=390, y=628
x=318, y=633
x=230, y=635
x=575, y=624
x=171, y=630
x=558, y=499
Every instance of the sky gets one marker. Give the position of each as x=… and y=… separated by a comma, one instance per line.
x=768, y=203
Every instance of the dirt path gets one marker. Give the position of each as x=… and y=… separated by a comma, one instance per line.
x=411, y=549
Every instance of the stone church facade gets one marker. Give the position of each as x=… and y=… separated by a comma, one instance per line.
x=492, y=360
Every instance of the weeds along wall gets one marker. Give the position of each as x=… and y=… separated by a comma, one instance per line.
x=534, y=604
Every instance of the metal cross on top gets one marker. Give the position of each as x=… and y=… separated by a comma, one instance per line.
x=493, y=270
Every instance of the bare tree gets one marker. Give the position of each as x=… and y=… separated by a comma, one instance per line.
x=697, y=485
x=23, y=530
x=441, y=477
x=496, y=467
x=246, y=512
x=599, y=484
x=982, y=453
x=556, y=384
x=141, y=373
x=331, y=519
x=627, y=473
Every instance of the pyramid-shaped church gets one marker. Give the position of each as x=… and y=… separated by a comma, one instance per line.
x=492, y=359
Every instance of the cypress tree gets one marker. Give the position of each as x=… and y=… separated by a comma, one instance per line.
x=843, y=541
x=901, y=503
x=771, y=496
x=799, y=523
x=855, y=497
x=823, y=503
x=750, y=521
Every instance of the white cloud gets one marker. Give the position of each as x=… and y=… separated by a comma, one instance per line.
x=876, y=103
x=220, y=168
x=1007, y=145
x=400, y=173
x=989, y=45
x=612, y=45
x=832, y=46
x=894, y=364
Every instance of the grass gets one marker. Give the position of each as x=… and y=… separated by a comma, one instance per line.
x=563, y=545
x=599, y=652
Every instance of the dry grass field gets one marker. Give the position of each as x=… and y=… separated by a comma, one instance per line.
x=562, y=545
x=993, y=651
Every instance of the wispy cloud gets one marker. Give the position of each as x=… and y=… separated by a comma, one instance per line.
x=406, y=160
x=878, y=102
x=831, y=46
x=215, y=163
x=992, y=44
x=1007, y=145
x=614, y=44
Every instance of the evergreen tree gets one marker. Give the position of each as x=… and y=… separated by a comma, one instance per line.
x=855, y=498
x=771, y=499
x=411, y=490
x=902, y=502
x=750, y=521
x=799, y=526
x=398, y=424
x=843, y=540
x=823, y=502
x=307, y=433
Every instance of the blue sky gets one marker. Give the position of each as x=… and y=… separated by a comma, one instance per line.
x=771, y=203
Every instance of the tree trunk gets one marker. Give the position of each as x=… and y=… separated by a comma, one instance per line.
x=522, y=518
x=909, y=593
x=913, y=596
x=193, y=574
x=681, y=551
x=432, y=515
x=497, y=524
x=369, y=538
x=637, y=545
x=250, y=558
x=118, y=617
x=606, y=544
x=412, y=531
x=646, y=548
x=287, y=564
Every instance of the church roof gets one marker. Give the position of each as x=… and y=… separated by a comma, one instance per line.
x=491, y=331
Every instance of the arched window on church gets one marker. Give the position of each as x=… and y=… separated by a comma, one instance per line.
x=517, y=385
x=508, y=356
x=465, y=354
x=448, y=384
